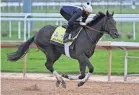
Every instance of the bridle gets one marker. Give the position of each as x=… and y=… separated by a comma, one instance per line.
x=91, y=28
x=105, y=26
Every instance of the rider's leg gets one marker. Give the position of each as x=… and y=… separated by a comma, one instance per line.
x=71, y=22
x=65, y=15
x=67, y=36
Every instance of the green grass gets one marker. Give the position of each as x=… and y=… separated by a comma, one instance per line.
x=36, y=62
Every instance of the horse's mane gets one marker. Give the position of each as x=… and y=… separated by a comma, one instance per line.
x=96, y=18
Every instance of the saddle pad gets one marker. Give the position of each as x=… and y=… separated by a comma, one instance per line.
x=58, y=35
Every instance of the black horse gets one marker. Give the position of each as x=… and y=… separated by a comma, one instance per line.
x=84, y=46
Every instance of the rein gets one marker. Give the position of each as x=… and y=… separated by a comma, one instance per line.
x=91, y=28
x=90, y=37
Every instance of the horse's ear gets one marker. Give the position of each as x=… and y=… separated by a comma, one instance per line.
x=112, y=13
x=107, y=13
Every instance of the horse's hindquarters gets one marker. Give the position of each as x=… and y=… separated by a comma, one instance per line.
x=43, y=36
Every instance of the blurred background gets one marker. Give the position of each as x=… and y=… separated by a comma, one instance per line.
x=48, y=10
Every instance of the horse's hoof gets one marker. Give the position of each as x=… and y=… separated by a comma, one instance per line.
x=57, y=83
x=80, y=83
x=65, y=76
x=63, y=83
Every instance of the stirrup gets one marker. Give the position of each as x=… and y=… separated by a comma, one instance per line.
x=67, y=40
x=69, y=37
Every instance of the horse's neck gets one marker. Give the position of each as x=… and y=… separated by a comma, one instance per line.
x=96, y=35
x=98, y=25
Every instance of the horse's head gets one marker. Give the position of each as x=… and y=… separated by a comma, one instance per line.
x=109, y=25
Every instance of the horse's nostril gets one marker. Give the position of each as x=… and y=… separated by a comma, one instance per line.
x=116, y=34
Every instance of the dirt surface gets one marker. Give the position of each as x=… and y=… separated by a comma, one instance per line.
x=47, y=87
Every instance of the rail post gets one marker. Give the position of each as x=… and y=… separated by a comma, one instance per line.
x=109, y=63
x=25, y=66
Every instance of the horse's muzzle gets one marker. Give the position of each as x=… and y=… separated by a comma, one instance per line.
x=115, y=34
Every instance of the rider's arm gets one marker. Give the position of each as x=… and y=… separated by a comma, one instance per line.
x=74, y=17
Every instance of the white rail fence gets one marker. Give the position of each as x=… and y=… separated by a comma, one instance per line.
x=55, y=17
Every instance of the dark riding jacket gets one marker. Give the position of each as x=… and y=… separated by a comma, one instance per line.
x=72, y=14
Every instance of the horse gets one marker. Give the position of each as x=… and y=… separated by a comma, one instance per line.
x=84, y=46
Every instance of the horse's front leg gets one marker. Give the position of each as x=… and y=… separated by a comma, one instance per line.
x=84, y=61
x=81, y=76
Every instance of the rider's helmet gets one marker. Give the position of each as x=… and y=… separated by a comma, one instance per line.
x=87, y=7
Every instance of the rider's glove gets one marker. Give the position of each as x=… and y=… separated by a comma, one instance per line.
x=82, y=23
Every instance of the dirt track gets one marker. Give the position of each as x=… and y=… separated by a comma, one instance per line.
x=47, y=87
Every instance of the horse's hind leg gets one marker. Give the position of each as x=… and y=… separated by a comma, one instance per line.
x=53, y=55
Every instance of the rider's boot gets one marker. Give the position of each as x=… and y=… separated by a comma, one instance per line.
x=67, y=37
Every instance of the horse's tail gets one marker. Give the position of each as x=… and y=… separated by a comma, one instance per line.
x=22, y=50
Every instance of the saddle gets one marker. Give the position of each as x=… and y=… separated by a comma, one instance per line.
x=76, y=29
x=58, y=34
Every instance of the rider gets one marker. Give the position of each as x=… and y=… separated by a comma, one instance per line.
x=75, y=15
